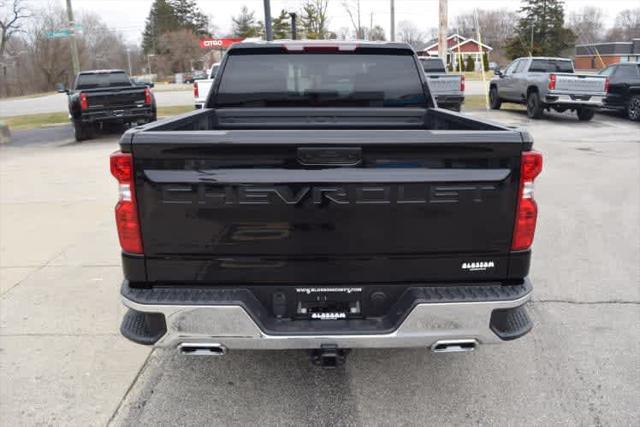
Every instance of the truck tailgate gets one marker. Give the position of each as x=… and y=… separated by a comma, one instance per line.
x=278, y=206
x=444, y=84
x=115, y=98
x=580, y=84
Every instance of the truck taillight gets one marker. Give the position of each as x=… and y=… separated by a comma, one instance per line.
x=84, y=103
x=147, y=96
x=527, y=209
x=461, y=83
x=606, y=84
x=126, y=210
x=195, y=90
x=552, y=82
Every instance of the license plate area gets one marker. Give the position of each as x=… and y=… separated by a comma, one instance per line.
x=328, y=306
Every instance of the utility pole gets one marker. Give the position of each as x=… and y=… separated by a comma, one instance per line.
x=443, y=25
x=294, y=26
x=267, y=20
x=393, y=21
x=129, y=61
x=72, y=39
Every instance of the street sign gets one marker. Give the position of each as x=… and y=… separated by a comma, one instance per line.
x=218, y=43
x=58, y=34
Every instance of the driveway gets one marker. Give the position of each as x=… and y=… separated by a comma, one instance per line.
x=64, y=363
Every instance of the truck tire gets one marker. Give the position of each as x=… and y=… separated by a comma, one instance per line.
x=585, y=114
x=633, y=108
x=494, y=100
x=82, y=131
x=535, y=108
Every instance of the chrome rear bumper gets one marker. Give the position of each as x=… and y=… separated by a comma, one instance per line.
x=231, y=327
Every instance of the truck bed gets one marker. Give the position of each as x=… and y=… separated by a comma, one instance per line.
x=380, y=195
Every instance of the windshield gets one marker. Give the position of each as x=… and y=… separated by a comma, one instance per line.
x=551, y=66
x=432, y=65
x=320, y=80
x=214, y=71
x=98, y=80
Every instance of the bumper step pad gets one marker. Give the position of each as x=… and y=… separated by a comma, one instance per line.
x=511, y=323
x=143, y=328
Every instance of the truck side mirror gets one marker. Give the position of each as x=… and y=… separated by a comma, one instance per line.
x=61, y=89
x=497, y=72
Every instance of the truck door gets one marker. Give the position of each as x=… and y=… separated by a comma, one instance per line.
x=506, y=84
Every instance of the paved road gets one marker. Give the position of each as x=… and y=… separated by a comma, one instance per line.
x=63, y=362
x=58, y=102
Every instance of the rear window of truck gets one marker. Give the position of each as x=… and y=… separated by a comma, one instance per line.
x=432, y=65
x=320, y=80
x=551, y=66
x=99, y=80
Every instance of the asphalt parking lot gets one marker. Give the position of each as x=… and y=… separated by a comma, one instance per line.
x=63, y=361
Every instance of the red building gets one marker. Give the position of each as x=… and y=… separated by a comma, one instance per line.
x=458, y=49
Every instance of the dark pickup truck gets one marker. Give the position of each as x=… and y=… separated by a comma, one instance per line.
x=107, y=96
x=320, y=201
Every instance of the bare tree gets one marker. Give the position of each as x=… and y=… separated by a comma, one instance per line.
x=496, y=26
x=411, y=35
x=315, y=18
x=587, y=24
x=12, y=17
x=353, y=10
x=627, y=26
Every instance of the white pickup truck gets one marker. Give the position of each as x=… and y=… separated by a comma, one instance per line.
x=201, y=88
x=447, y=89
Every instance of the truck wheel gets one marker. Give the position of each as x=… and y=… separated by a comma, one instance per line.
x=82, y=131
x=494, y=100
x=585, y=114
x=633, y=108
x=535, y=108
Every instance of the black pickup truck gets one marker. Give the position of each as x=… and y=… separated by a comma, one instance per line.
x=320, y=201
x=107, y=96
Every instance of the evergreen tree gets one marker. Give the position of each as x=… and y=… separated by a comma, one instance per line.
x=161, y=19
x=168, y=16
x=485, y=61
x=314, y=18
x=471, y=64
x=281, y=26
x=245, y=25
x=189, y=16
x=540, y=30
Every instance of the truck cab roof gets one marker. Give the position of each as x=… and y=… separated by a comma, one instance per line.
x=340, y=45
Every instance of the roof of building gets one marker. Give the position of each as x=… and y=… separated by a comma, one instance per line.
x=609, y=48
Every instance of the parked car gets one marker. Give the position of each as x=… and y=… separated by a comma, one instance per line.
x=448, y=89
x=624, y=88
x=199, y=75
x=325, y=209
x=107, y=96
x=547, y=83
x=201, y=88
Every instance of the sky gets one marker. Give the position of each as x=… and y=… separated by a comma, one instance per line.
x=128, y=16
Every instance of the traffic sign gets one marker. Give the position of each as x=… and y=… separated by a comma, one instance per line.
x=58, y=34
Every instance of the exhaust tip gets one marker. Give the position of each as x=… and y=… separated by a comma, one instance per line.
x=454, y=346
x=202, y=349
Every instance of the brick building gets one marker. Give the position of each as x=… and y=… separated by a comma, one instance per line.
x=595, y=56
